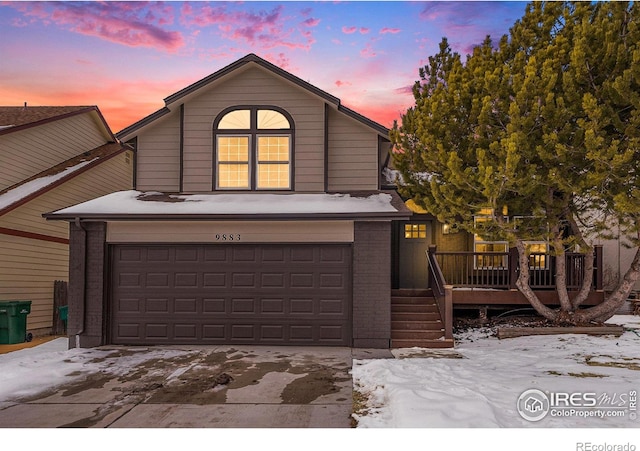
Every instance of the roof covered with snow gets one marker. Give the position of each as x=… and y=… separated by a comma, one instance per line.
x=154, y=205
x=28, y=189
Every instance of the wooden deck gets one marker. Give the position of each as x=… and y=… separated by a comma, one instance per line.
x=465, y=280
x=482, y=297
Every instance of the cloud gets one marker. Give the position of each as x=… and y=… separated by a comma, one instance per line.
x=368, y=51
x=134, y=24
x=351, y=30
x=265, y=29
x=404, y=90
x=340, y=83
x=122, y=101
x=281, y=60
x=311, y=22
x=466, y=24
x=387, y=30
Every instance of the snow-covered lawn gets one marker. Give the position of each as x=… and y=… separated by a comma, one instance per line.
x=478, y=384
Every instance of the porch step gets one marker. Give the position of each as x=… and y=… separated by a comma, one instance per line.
x=415, y=316
x=440, y=343
x=412, y=334
x=416, y=325
x=417, y=292
x=416, y=320
x=418, y=300
x=414, y=308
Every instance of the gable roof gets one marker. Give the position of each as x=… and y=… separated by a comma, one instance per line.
x=15, y=118
x=25, y=191
x=250, y=59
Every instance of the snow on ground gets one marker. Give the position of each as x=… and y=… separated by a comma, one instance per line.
x=478, y=384
x=31, y=371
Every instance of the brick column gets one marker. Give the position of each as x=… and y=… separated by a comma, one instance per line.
x=87, y=306
x=372, y=284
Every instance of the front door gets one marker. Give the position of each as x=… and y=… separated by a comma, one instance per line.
x=414, y=240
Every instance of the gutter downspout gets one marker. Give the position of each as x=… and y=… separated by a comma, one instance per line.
x=84, y=280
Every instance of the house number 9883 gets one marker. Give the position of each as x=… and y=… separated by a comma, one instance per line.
x=227, y=237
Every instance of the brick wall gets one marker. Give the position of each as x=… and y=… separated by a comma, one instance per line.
x=87, y=309
x=372, y=285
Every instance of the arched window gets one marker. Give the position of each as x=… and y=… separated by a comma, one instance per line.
x=253, y=149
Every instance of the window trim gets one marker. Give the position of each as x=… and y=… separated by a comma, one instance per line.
x=254, y=133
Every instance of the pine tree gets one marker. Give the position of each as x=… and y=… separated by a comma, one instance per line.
x=544, y=123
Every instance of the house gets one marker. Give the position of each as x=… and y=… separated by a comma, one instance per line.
x=257, y=217
x=50, y=157
x=262, y=213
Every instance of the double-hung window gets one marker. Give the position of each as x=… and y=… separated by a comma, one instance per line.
x=253, y=149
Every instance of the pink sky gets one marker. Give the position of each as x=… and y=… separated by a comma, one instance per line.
x=125, y=57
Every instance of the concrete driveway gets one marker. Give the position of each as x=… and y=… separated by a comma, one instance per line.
x=201, y=387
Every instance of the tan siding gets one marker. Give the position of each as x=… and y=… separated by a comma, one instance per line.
x=28, y=269
x=353, y=154
x=254, y=86
x=247, y=232
x=158, y=156
x=112, y=175
x=28, y=152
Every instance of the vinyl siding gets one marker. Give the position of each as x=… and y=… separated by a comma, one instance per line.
x=243, y=231
x=158, y=156
x=28, y=152
x=254, y=86
x=353, y=154
x=29, y=267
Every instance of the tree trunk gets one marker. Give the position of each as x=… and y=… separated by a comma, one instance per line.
x=587, y=280
x=587, y=275
x=523, y=284
x=618, y=297
x=561, y=276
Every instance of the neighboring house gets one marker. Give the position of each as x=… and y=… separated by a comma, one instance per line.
x=50, y=157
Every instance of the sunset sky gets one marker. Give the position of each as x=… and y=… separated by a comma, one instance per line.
x=125, y=57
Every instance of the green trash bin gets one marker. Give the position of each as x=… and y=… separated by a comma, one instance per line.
x=13, y=322
x=63, y=310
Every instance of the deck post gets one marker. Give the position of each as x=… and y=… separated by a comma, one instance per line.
x=448, y=312
x=599, y=268
x=513, y=267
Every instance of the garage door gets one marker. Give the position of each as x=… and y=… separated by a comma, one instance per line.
x=231, y=294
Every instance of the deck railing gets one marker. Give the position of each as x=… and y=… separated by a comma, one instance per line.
x=499, y=270
x=442, y=293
